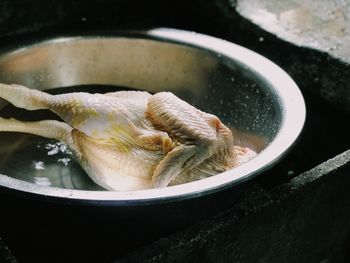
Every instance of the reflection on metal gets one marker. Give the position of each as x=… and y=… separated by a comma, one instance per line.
x=136, y=63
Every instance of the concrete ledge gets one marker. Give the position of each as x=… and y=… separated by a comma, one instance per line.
x=306, y=220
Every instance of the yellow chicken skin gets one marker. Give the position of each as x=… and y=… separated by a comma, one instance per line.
x=131, y=140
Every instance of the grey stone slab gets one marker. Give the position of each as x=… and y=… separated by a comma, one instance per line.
x=305, y=220
x=322, y=25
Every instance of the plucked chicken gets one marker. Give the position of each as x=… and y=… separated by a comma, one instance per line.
x=131, y=140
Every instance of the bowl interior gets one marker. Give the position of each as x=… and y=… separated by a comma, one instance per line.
x=211, y=74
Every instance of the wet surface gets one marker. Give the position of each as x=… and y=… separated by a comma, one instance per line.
x=41, y=161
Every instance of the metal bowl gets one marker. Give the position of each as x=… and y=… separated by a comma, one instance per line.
x=245, y=90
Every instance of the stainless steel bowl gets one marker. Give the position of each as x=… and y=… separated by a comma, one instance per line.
x=246, y=90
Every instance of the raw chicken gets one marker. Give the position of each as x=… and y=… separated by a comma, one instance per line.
x=131, y=140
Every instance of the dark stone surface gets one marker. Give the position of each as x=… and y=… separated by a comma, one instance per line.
x=5, y=254
x=306, y=220
x=22, y=17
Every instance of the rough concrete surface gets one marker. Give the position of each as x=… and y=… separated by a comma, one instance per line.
x=322, y=25
x=305, y=220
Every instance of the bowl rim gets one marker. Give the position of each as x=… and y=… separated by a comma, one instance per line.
x=293, y=118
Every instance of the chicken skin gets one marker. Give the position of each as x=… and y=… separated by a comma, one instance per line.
x=131, y=140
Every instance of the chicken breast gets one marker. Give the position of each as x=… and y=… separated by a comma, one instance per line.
x=131, y=140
